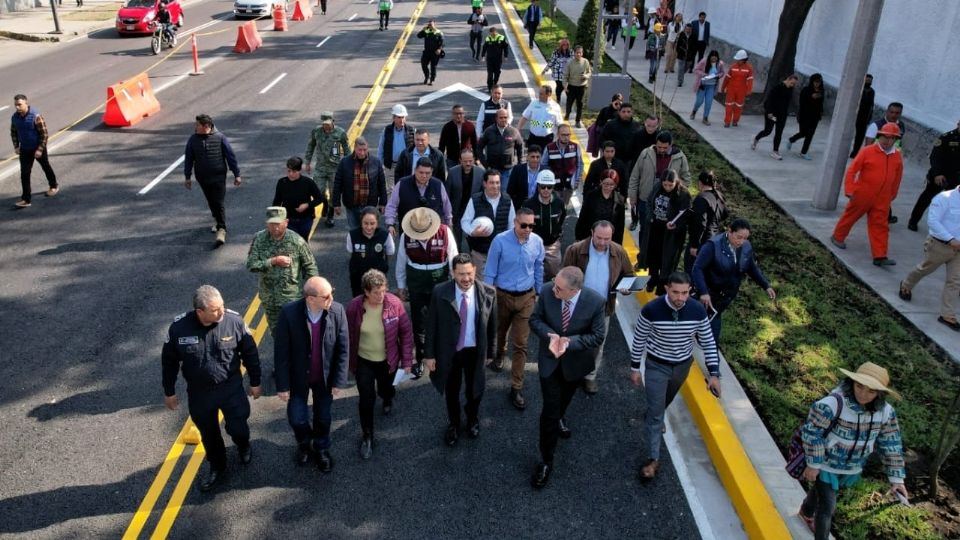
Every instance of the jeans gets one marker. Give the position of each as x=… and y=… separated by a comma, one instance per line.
x=298, y=414
x=705, y=98
x=654, y=64
x=820, y=503
x=26, y=167
x=682, y=71
x=353, y=217
x=373, y=379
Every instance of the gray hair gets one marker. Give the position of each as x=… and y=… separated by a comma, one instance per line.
x=204, y=295
x=573, y=276
x=373, y=279
x=360, y=141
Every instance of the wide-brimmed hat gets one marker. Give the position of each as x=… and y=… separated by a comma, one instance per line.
x=872, y=376
x=741, y=55
x=421, y=223
x=890, y=130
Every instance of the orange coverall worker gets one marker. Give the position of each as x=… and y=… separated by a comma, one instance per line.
x=872, y=183
x=738, y=84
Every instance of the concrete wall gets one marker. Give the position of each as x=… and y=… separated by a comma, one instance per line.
x=909, y=64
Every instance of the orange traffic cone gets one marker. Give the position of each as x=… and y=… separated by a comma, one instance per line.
x=279, y=18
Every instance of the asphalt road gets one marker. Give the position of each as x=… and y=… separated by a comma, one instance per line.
x=93, y=277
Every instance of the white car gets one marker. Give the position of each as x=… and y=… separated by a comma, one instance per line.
x=257, y=8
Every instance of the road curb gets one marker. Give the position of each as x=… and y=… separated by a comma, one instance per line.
x=29, y=37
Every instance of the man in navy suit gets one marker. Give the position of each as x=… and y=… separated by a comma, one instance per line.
x=311, y=355
x=569, y=321
x=701, y=35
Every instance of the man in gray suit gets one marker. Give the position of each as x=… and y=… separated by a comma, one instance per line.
x=463, y=180
x=569, y=321
x=461, y=339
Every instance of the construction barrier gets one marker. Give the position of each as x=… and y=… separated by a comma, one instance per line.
x=248, y=38
x=302, y=11
x=279, y=18
x=129, y=102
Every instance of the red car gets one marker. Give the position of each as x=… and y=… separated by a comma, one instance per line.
x=139, y=16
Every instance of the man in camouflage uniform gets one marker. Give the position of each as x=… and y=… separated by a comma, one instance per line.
x=330, y=143
x=283, y=261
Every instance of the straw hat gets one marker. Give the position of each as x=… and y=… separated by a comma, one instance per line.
x=421, y=223
x=872, y=376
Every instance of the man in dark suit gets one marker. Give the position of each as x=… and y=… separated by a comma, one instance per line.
x=310, y=353
x=407, y=162
x=463, y=181
x=522, y=183
x=701, y=34
x=569, y=321
x=461, y=339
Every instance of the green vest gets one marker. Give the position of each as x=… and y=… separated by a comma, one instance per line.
x=384, y=5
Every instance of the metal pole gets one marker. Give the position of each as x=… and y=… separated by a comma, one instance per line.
x=855, y=66
x=56, y=18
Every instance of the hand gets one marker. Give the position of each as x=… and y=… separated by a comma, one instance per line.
x=771, y=293
x=38, y=153
x=694, y=251
x=772, y=117
x=480, y=232
x=237, y=181
x=810, y=474
x=306, y=167
x=431, y=363
x=402, y=294
x=303, y=208
x=955, y=244
x=634, y=202
x=255, y=392
x=284, y=396
x=623, y=291
x=407, y=370
x=170, y=402
x=705, y=300
x=380, y=209
x=848, y=195
x=187, y=183
x=337, y=211
x=281, y=260
x=713, y=384
x=636, y=378
x=487, y=362
x=671, y=225
x=392, y=230
x=901, y=489
x=334, y=391
x=939, y=180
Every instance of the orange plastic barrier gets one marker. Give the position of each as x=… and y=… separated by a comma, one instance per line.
x=248, y=38
x=302, y=11
x=129, y=102
x=279, y=18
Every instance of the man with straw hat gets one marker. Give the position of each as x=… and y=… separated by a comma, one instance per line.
x=840, y=433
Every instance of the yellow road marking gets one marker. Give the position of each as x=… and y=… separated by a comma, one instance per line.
x=143, y=512
x=179, y=494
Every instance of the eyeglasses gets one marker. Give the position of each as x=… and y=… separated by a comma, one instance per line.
x=525, y=225
x=545, y=187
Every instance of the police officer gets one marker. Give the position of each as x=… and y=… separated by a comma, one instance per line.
x=495, y=49
x=208, y=344
x=944, y=173
x=283, y=261
x=432, y=51
x=330, y=144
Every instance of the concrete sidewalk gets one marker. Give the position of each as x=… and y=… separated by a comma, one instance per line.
x=37, y=24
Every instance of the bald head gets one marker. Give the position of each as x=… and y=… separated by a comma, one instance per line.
x=317, y=286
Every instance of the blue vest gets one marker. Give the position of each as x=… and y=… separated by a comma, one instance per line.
x=26, y=128
x=482, y=207
x=410, y=197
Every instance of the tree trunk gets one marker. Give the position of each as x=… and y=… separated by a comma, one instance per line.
x=792, y=18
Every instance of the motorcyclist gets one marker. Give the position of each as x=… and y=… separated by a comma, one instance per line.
x=165, y=20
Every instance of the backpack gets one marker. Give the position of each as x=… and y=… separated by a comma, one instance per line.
x=796, y=459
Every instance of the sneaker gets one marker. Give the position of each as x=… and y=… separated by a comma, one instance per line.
x=912, y=226
x=329, y=223
x=693, y=114
x=726, y=125
x=776, y=155
x=579, y=125
x=789, y=145
x=22, y=204
x=839, y=243
x=753, y=145
x=613, y=48
x=221, y=237
x=806, y=157
x=634, y=225
x=366, y=446
x=52, y=192
x=735, y=124
x=883, y=261
x=892, y=219
x=808, y=521
x=706, y=122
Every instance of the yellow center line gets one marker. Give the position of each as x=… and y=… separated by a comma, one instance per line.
x=172, y=509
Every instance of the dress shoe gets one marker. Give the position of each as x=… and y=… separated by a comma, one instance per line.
x=452, y=435
x=387, y=407
x=366, y=447
x=246, y=453
x=649, y=470
x=329, y=223
x=953, y=325
x=884, y=261
x=303, y=454
x=473, y=430
x=497, y=364
x=634, y=225
x=541, y=475
x=324, y=461
x=565, y=432
x=516, y=398
x=214, y=477
x=905, y=293
x=913, y=227
x=590, y=386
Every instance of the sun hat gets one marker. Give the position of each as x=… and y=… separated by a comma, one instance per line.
x=421, y=223
x=872, y=376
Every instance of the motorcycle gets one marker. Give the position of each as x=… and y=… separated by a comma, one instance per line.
x=163, y=38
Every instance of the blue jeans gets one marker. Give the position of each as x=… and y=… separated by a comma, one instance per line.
x=298, y=415
x=353, y=217
x=654, y=64
x=705, y=98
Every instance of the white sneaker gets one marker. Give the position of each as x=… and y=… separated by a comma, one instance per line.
x=776, y=155
x=613, y=47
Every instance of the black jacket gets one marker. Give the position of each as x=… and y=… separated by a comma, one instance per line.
x=778, y=102
x=622, y=134
x=405, y=164
x=708, y=213
x=291, y=348
x=811, y=109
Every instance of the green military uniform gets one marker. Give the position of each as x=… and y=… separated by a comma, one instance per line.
x=279, y=285
x=329, y=148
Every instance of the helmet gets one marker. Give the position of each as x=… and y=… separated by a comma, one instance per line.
x=399, y=110
x=482, y=222
x=741, y=55
x=546, y=178
x=658, y=28
x=890, y=130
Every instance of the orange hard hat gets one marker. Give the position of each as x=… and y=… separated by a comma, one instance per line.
x=890, y=130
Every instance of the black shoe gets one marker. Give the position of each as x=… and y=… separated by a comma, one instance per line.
x=246, y=454
x=329, y=223
x=516, y=398
x=417, y=370
x=912, y=226
x=426, y=80
x=366, y=447
x=953, y=325
x=892, y=219
x=541, y=475
x=651, y=286
x=565, y=432
x=904, y=293
x=452, y=435
x=387, y=408
x=214, y=477
x=497, y=364
x=324, y=461
x=473, y=431
x=884, y=261
x=303, y=454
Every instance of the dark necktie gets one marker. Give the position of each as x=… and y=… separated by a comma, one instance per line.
x=462, y=338
x=565, y=316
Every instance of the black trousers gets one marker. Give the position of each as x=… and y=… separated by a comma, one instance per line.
x=215, y=190
x=26, y=168
x=929, y=192
x=428, y=63
x=418, y=313
x=203, y=405
x=701, y=47
x=384, y=18
x=373, y=379
x=557, y=394
x=575, y=95
x=858, y=137
x=493, y=77
x=476, y=44
x=806, y=133
x=463, y=369
x=773, y=126
x=323, y=6
x=542, y=142
x=532, y=29
x=559, y=91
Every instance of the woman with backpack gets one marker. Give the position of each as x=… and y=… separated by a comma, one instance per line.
x=840, y=433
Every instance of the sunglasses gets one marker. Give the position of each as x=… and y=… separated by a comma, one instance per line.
x=526, y=225
x=545, y=187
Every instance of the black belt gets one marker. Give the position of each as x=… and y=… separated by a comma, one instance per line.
x=663, y=362
x=941, y=241
x=516, y=293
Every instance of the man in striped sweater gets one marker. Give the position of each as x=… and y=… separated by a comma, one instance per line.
x=666, y=331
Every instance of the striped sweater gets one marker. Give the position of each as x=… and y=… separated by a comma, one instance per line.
x=669, y=334
x=857, y=432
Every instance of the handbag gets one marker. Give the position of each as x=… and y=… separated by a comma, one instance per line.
x=796, y=459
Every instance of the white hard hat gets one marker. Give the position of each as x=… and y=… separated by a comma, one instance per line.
x=482, y=222
x=399, y=110
x=741, y=55
x=546, y=178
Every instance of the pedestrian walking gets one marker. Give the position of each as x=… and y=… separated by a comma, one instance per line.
x=708, y=212
x=29, y=133
x=208, y=155
x=421, y=148
x=208, y=345
x=653, y=162
x=709, y=72
x=544, y=116
x=622, y=130
x=300, y=196
x=396, y=137
x=532, y=19
x=606, y=203
x=557, y=65
x=686, y=53
x=549, y=214
x=369, y=245
x=523, y=179
x=565, y=160
x=701, y=34
x=477, y=21
x=654, y=51
x=456, y=135
x=892, y=114
x=381, y=342
x=737, y=84
x=487, y=117
x=329, y=143
x=809, y=114
x=383, y=10
x=419, y=190
x=501, y=145
x=310, y=353
x=595, y=131
x=864, y=112
x=490, y=203
x=665, y=230
x=630, y=30
x=359, y=182
x=598, y=167
x=674, y=29
x=943, y=175
x=463, y=181
x=775, y=110
x=612, y=27
x=495, y=50
x=432, y=51
x=576, y=76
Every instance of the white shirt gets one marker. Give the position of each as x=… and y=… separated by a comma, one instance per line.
x=470, y=338
x=943, y=217
x=469, y=213
x=701, y=29
x=597, y=275
x=402, y=257
x=543, y=117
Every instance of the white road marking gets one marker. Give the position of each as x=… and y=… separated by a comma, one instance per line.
x=513, y=47
x=161, y=176
x=206, y=25
x=4, y=107
x=322, y=42
x=352, y=17
x=275, y=81
x=369, y=1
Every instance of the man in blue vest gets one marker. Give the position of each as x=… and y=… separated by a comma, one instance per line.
x=209, y=155
x=29, y=134
x=421, y=189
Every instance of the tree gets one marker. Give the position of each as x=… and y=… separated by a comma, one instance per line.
x=587, y=28
x=792, y=18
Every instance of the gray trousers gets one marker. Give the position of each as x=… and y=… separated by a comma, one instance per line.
x=661, y=382
x=592, y=376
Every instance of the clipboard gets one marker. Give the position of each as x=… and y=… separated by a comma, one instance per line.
x=633, y=283
x=676, y=217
